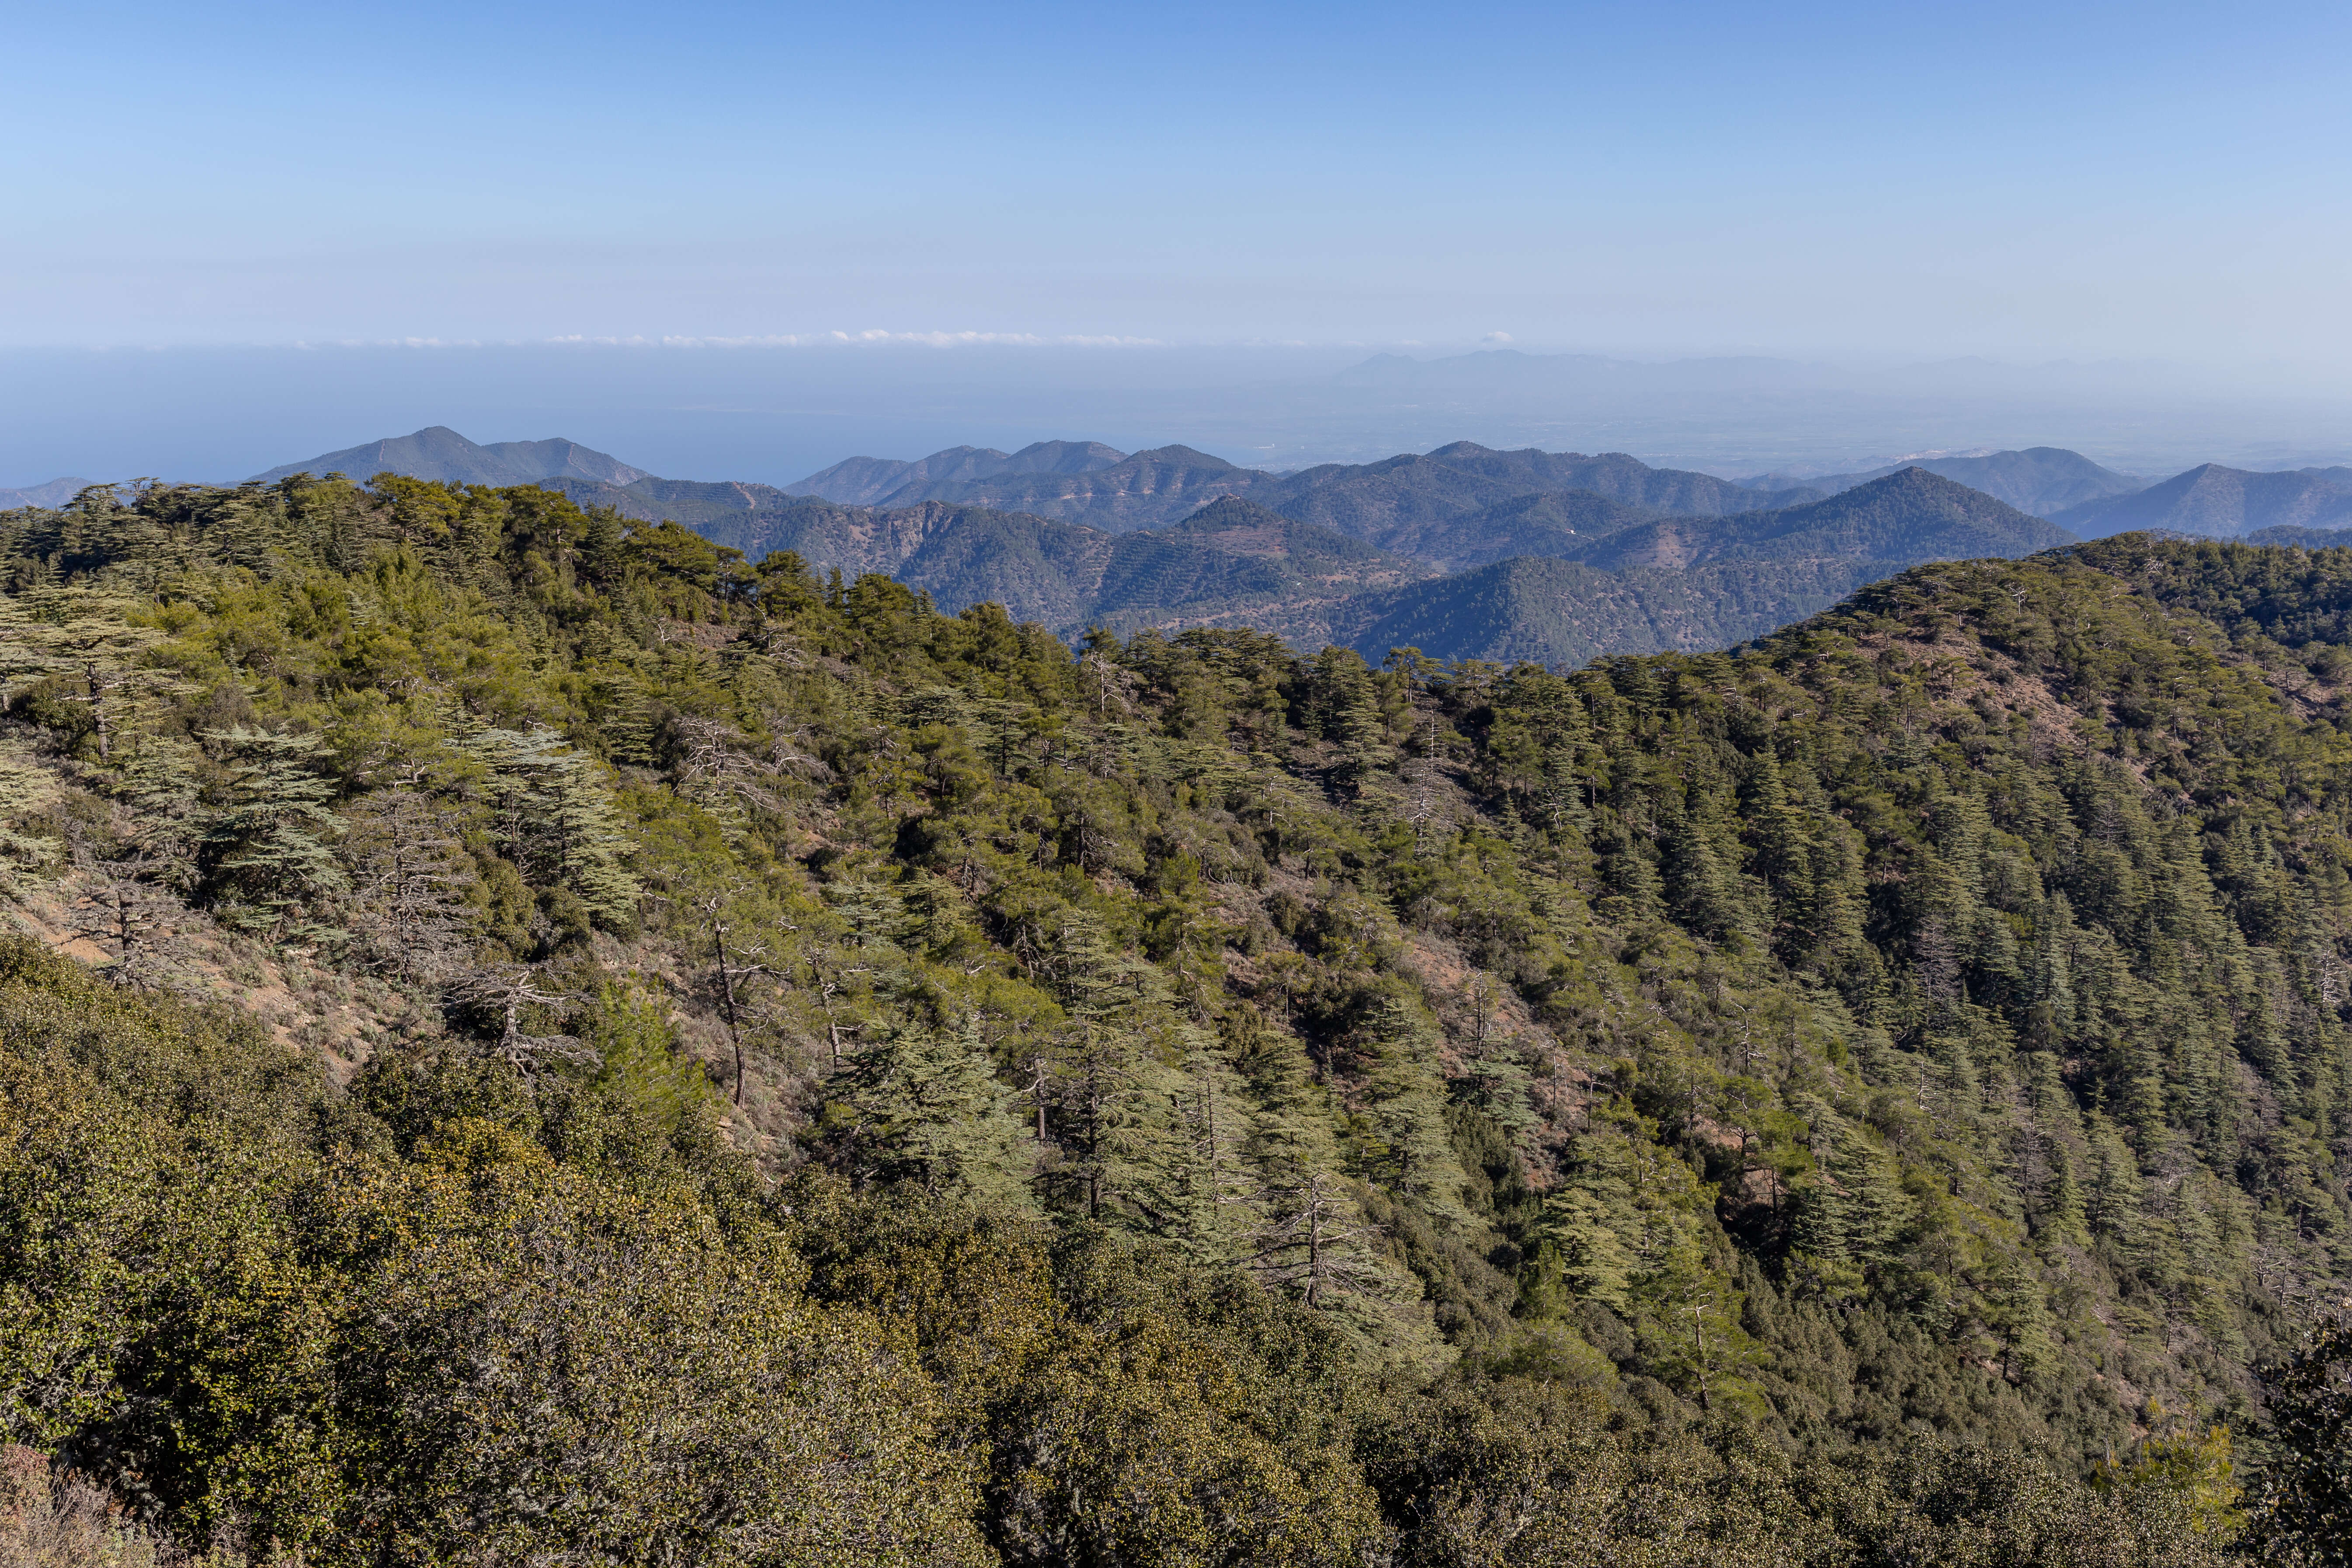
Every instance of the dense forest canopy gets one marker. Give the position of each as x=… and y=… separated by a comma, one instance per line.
x=579, y=1045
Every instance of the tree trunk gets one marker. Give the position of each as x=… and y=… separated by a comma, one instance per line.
x=727, y=993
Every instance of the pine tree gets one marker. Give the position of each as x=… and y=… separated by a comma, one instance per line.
x=1343, y=705
x=556, y=820
x=1406, y=1105
x=266, y=859
x=1113, y=1125
x=122, y=905
x=927, y=1109
x=86, y=641
x=2116, y=1197
x=1543, y=739
x=409, y=881
x=1582, y=1232
x=155, y=779
x=1312, y=1242
x=1629, y=882
x=2068, y=1218
x=1199, y=1194
x=26, y=851
x=639, y=1058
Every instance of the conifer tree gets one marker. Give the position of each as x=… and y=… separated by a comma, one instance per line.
x=1406, y=1104
x=124, y=905
x=28, y=844
x=927, y=1109
x=267, y=858
x=2068, y=1217
x=556, y=820
x=156, y=781
x=1114, y=1122
x=85, y=641
x=1199, y=1192
x=1582, y=1231
x=410, y=878
x=1312, y=1242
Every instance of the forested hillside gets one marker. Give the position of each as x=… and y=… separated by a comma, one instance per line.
x=1230, y=561
x=1566, y=613
x=1623, y=583
x=1384, y=503
x=580, y=1046
x=1909, y=516
x=2222, y=502
x=2041, y=481
x=1381, y=502
x=1650, y=583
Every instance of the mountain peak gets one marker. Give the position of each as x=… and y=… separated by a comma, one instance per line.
x=437, y=452
x=54, y=493
x=1188, y=456
x=1233, y=511
x=1062, y=458
x=2220, y=502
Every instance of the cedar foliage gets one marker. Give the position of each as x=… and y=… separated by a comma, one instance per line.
x=906, y=1090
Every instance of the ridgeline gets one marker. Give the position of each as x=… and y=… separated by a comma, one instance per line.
x=577, y=1046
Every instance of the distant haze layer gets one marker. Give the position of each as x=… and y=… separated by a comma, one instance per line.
x=776, y=414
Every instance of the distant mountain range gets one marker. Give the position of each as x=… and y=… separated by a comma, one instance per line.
x=884, y=481
x=440, y=453
x=1694, y=582
x=1580, y=575
x=2222, y=503
x=1463, y=552
x=1231, y=562
x=1103, y=488
x=2042, y=480
x=56, y=492
x=2300, y=538
x=1457, y=505
x=1911, y=515
x=589, y=477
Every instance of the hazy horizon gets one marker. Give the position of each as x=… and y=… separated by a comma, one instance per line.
x=775, y=414
x=739, y=242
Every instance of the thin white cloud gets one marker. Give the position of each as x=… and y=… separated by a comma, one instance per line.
x=872, y=336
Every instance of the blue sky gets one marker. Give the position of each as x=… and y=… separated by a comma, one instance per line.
x=2024, y=182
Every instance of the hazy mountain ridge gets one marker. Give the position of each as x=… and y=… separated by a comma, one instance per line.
x=1688, y=583
x=1229, y=558
x=1562, y=614
x=1548, y=523
x=1356, y=554
x=1600, y=578
x=2038, y=479
x=1393, y=503
x=694, y=502
x=1072, y=534
x=888, y=481
x=1376, y=499
x=2296, y=538
x=439, y=452
x=1145, y=489
x=1071, y=482
x=2221, y=504
x=54, y=493
x=1911, y=516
